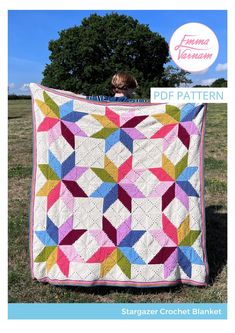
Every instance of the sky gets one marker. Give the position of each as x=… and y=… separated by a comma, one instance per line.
x=29, y=32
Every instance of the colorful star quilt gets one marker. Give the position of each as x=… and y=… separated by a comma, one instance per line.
x=117, y=192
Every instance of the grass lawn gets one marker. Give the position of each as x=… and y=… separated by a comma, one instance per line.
x=21, y=286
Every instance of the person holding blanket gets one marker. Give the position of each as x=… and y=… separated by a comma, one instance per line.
x=123, y=86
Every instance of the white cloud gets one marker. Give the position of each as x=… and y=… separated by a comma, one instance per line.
x=25, y=87
x=221, y=67
x=11, y=85
x=201, y=72
x=208, y=82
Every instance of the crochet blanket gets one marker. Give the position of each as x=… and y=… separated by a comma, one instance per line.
x=117, y=192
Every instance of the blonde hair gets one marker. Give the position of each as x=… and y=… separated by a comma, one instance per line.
x=123, y=82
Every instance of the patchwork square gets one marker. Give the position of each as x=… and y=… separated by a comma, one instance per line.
x=147, y=153
x=117, y=192
x=89, y=152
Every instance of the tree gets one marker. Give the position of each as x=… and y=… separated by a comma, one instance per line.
x=221, y=82
x=216, y=84
x=200, y=86
x=84, y=58
x=175, y=77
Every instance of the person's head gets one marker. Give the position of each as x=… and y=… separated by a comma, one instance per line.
x=123, y=83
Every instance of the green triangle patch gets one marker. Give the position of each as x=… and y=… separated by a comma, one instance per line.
x=190, y=238
x=103, y=175
x=173, y=111
x=48, y=172
x=51, y=104
x=45, y=254
x=104, y=133
x=124, y=264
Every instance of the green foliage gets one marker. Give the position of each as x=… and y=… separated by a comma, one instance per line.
x=219, y=83
x=13, y=97
x=175, y=77
x=84, y=58
x=200, y=86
